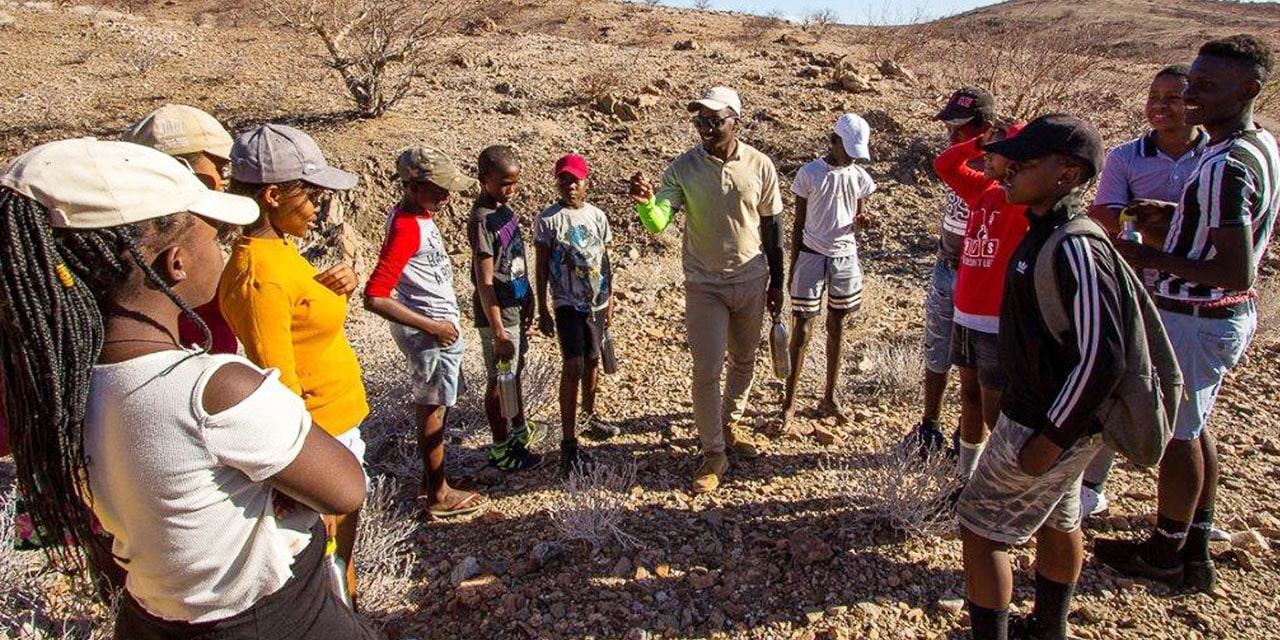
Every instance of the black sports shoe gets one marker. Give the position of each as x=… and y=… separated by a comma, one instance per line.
x=1199, y=575
x=1126, y=557
x=926, y=439
x=1026, y=628
x=512, y=456
x=573, y=459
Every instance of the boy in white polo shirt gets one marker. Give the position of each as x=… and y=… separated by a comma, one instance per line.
x=824, y=253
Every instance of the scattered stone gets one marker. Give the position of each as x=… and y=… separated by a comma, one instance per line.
x=642, y=574
x=1249, y=540
x=891, y=69
x=687, y=45
x=826, y=437
x=509, y=108
x=951, y=606
x=700, y=580
x=854, y=83
x=6, y=20
x=465, y=570
x=473, y=591
x=545, y=552
x=807, y=547
x=623, y=568
x=809, y=71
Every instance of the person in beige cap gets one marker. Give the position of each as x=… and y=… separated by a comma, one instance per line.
x=288, y=315
x=412, y=287
x=200, y=142
x=733, y=267
x=207, y=472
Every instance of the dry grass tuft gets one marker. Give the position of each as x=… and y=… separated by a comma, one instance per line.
x=894, y=488
x=384, y=551
x=592, y=505
x=890, y=367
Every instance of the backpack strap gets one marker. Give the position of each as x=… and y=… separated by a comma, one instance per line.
x=1048, y=294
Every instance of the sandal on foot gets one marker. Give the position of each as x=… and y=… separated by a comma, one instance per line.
x=469, y=504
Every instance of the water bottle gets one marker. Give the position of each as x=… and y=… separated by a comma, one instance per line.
x=508, y=390
x=1129, y=227
x=607, y=357
x=778, y=348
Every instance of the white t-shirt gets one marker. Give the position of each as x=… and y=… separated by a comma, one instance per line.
x=183, y=492
x=832, y=194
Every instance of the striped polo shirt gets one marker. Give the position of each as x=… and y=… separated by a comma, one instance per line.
x=1139, y=169
x=1235, y=185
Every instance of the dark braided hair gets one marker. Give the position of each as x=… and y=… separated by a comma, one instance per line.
x=55, y=288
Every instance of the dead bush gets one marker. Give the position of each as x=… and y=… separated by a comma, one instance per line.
x=818, y=21
x=378, y=47
x=702, y=5
x=893, y=488
x=890, y=368
x=592, y=505
x=384, y=553
x=601, y=83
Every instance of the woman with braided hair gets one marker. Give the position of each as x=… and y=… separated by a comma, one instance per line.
x=205, y=469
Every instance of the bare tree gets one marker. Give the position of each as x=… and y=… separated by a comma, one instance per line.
x=819, y=20
x=702, y=5
x=376, y=46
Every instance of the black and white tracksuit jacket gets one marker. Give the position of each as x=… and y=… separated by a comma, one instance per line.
x=1056, y=389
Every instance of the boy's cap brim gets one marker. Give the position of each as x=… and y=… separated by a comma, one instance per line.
x=1018, y=148
x=332, y=178
x=455, y=182
x=1054, y=134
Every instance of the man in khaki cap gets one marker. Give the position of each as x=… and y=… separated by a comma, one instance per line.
x=412, y=287
x=733, y=268
x=201, y=143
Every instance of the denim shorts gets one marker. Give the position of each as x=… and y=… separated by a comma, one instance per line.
x=979, y=350
x=1207, y=348
x=436, y=370
x=939, y=309
x=1004, y=504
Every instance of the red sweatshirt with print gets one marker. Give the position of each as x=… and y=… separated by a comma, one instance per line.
x=994, y=231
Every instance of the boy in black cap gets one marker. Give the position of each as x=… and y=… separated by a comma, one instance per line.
x=968, y=114
x=1028, y=480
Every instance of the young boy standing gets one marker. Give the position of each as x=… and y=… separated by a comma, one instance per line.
x=571, y=237
x=424, y=312
x=1027, y=483
x=503, y=303
x=824, y=253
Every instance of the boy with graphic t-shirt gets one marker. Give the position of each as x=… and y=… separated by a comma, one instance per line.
x=502, y=302
x=423, y=313
x=824, y=253
x=571, y=236
x=994, y=230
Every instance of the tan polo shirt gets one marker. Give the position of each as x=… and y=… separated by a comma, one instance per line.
x=724, y=202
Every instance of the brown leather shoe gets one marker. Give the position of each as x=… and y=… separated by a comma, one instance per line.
x=740, y=442
x=707, y=477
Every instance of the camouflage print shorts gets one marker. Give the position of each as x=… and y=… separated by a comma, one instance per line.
x=1004, y=504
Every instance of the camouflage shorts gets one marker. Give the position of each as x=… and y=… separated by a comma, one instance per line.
x=1004, y=504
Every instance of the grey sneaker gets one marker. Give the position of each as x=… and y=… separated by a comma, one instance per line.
x=593, y=427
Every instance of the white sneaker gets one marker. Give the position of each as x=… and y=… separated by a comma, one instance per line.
x=1092, y=502
x=1218, y=535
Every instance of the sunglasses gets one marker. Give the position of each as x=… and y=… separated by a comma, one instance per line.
x=318, y=196
x=714, y=122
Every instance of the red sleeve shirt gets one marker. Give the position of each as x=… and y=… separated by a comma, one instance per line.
x=403, y=241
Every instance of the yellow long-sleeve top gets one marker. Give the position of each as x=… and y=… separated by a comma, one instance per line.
x=288, y=321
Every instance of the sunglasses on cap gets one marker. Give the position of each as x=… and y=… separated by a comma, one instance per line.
x=714, y=122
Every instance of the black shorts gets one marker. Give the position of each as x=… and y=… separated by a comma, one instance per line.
x=579, y=332
x=305, y=608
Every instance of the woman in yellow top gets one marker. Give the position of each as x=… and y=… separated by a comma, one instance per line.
x=289, y=316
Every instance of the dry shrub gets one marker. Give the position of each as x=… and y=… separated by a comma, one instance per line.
x=891, y=368
x=38, y=602
x=384, y=552
x=702, y=5
x=601, y=83
x=592, y=505
x=378, y=47
x=818, y=21
x=758, y=30
x=893, y=488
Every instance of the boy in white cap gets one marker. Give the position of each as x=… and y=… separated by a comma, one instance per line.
x=733, y=268
x=824, y=253
x=201, y=143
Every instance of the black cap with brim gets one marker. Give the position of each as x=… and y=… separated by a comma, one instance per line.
x=968, y=103
x=1054, y=134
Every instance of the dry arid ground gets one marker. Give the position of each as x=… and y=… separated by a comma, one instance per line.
x=807, y=541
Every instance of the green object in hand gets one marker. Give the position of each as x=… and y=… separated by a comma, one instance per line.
x=654, y=215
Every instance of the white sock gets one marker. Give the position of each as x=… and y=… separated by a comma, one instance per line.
x=969, y=454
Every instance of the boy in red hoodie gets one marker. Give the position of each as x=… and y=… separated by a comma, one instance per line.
x=994, y=229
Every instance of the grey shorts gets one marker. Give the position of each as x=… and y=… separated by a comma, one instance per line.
x=1004, y=504
x=436, y=370
x=979, y=350
x=939, y=309
x=814, y=274
x=513, y=332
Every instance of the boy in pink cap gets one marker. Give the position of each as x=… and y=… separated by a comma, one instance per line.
x=571, y=236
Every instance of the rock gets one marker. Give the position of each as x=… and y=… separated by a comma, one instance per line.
x=509, y=108
x=545, y=552
x=814, y=616
x=1249, y=540
x=626, y=112
x=465, y=570
x=6, y=20
x=1271, y=447
x=869, y=610
x=809, y=71
x=891, y=69
x=473, y=591
x=826, y=437
x=623, y=568
x=807, y=547
x=1091, y=613
x=645, y=101
x=636, y=634
x=687, y=45
x=951, y=606
x=854, y=83
x=700, y=580
x=663, y=570
x=1245, y=560
x=503, y=88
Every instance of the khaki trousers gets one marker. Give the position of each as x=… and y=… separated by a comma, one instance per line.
x=722, y=318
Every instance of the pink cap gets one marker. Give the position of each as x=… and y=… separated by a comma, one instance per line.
x=574, y=165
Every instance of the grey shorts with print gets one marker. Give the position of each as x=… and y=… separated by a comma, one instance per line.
x=1004, y=504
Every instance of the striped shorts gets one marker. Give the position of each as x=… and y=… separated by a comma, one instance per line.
x=813, y=274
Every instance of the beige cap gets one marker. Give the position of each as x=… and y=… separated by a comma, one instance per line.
x=87, y=183
x=177, y=129
x=717, y=98
x=420, y=163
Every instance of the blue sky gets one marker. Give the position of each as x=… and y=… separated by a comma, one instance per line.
x=850, y=11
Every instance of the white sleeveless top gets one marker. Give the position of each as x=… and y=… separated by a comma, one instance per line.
x=183, y=492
